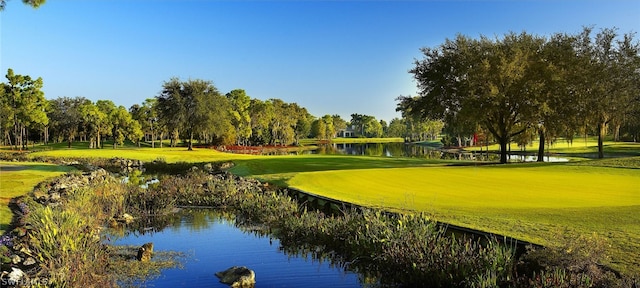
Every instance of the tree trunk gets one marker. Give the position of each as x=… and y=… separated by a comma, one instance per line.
x=602, y=126
x=541, y=145
x=503, y=150
x=115, y=131
x=15, y=132
x=25, y=136
x=190, y=141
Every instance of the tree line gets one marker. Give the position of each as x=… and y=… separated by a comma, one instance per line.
x=522, y=86
x=187, y=111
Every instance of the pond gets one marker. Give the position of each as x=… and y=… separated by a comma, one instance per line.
x=399, y=149
x=212, y=243
x=393, y=149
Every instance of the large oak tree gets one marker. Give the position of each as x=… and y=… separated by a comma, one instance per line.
x=488, y=81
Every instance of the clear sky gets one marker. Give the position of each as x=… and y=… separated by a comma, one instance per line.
x=332, y=57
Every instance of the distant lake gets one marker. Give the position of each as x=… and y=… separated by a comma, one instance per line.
x=399, y=149
x=394, y=149
x=212, y=243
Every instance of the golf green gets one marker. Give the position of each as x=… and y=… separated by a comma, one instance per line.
x=531, y=202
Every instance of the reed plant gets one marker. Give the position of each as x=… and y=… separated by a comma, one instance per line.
x=66, y=237
x=409, y=249
x=68, y=247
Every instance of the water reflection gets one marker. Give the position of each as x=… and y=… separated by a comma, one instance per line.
x=398, y=149
x=215, y=244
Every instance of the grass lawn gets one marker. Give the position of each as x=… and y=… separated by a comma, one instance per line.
x=280, y=168
x=531, y=202
x=19, y=178
x=579, y=147
x=170, y=155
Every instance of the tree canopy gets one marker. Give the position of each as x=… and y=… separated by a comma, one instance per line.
x=194, y=107
x=32, y=3
x=521, y=81
x=25, y=106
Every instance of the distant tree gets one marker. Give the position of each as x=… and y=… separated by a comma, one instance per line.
x=357, y=121
x=134, y=131
x=25, y=102
x=429, y=129
x=96, y=122
x=137, y=112
x=194, y=107
x=240, y=116
x=170, y=108
x=384, y=126
x=365, y=126
x=66, y=118
x=302, y=123
x=146, y=114
x=397, y=128
x=330, y=130
x=282, y=122
x=32, y=3
x=6, y=121
x=303, y=127
x=107, y=107
x=631, y=125
x=319, y=129
x=338, y=122
x=261, y=113
x=372, y=128
x=120, y=119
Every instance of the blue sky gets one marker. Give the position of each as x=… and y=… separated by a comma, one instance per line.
x=332, y=57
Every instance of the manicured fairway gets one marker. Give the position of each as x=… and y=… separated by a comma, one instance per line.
x=529, y=202
x=18, y=178
x=170, y=155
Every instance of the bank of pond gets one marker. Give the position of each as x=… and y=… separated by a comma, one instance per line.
x=74, y=231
